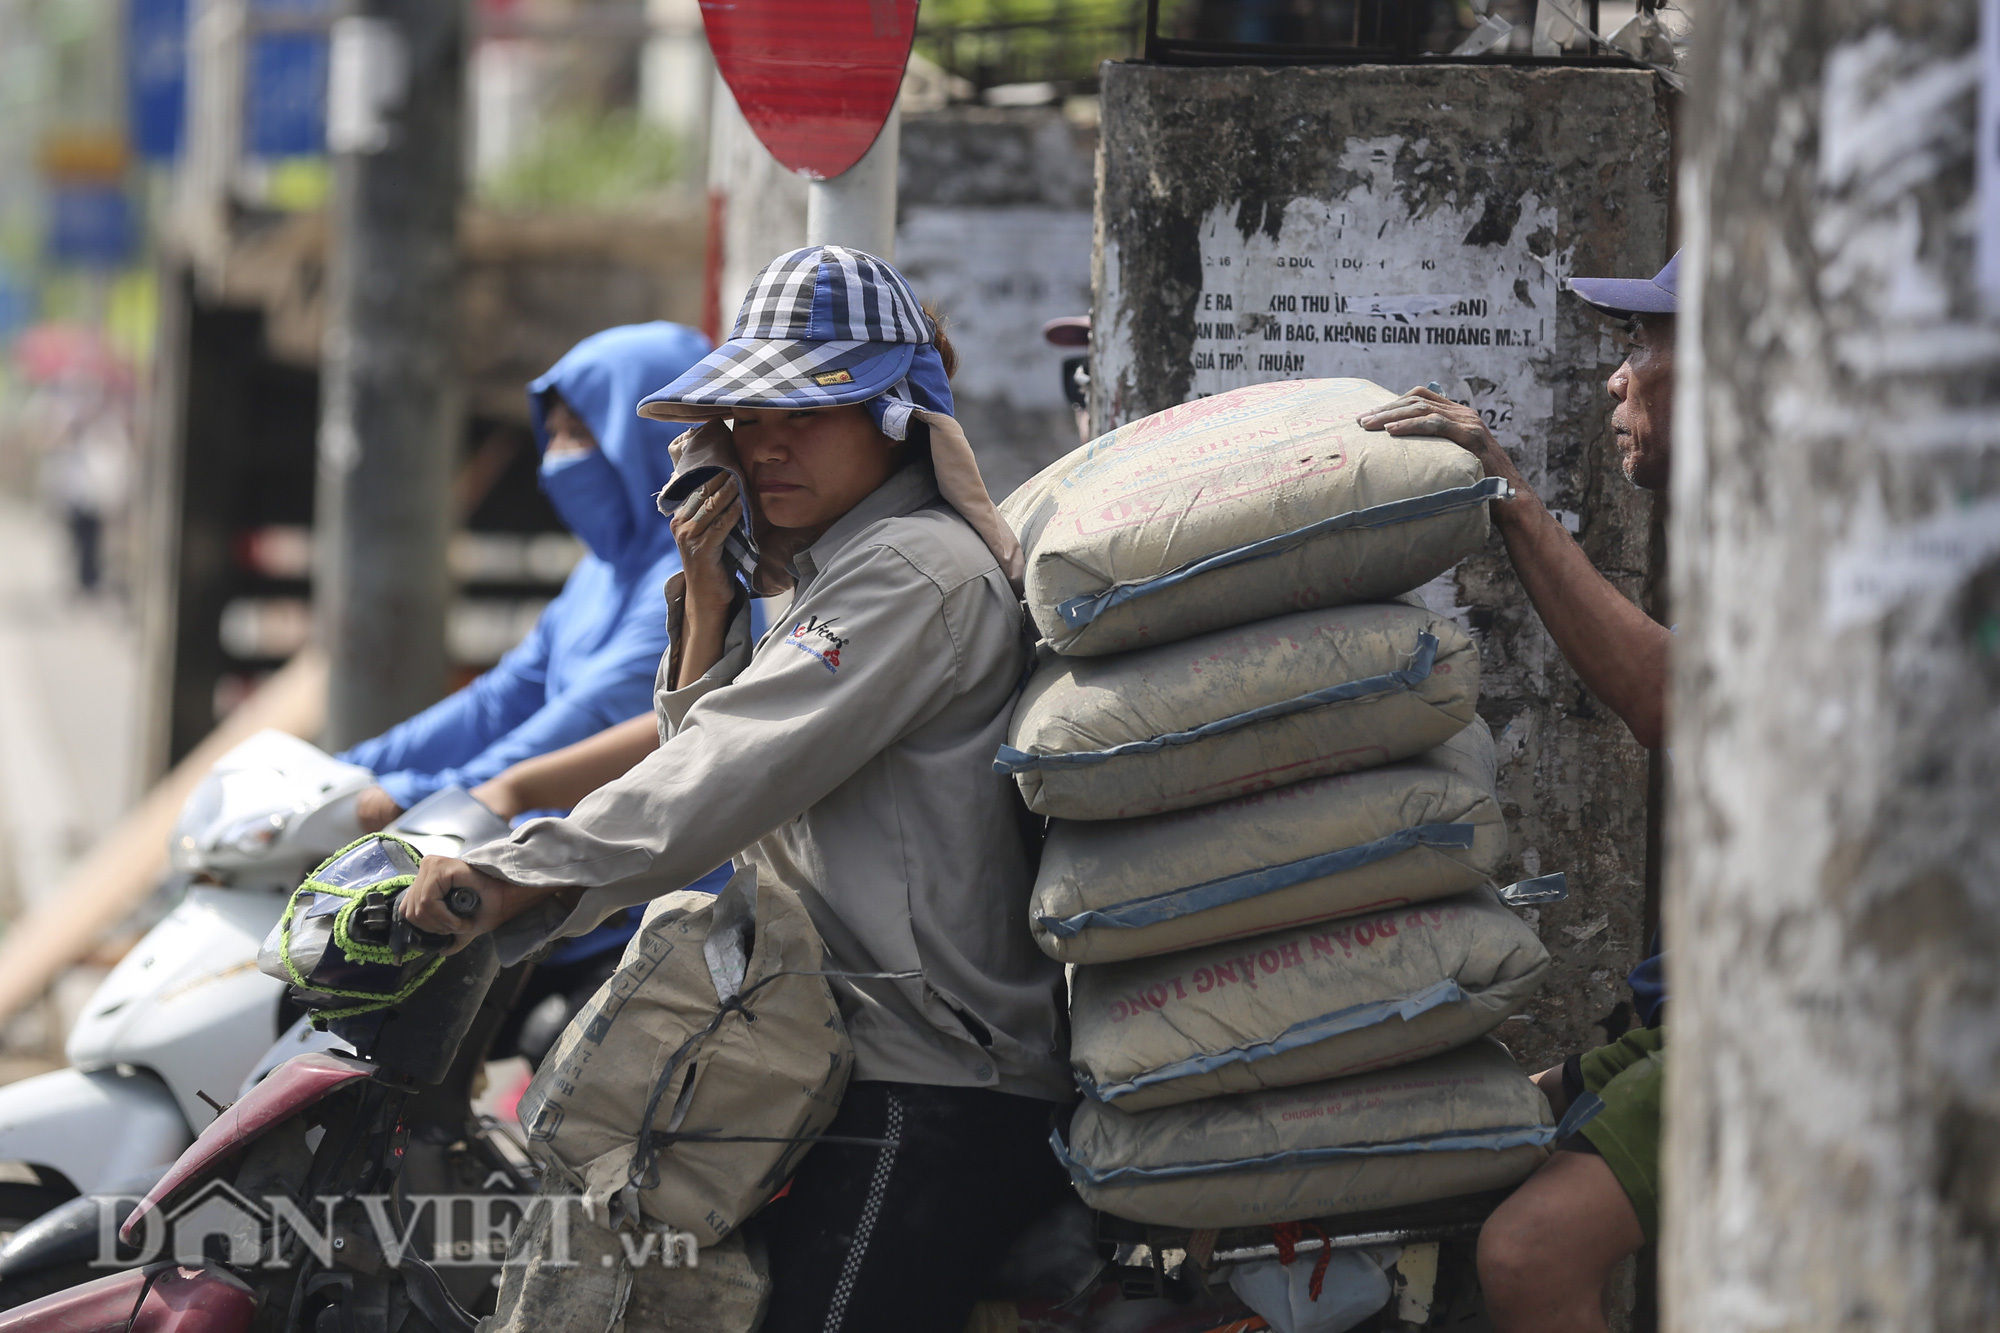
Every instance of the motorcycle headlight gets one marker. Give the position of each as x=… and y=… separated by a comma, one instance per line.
x=248, y=837
x=190, y=836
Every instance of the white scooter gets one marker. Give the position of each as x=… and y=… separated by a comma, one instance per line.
x=171, y=1035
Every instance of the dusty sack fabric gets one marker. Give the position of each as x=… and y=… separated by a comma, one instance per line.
x=1408, y=832
x=1236, y=508
x=1239, y=710
x=1301, y=1005
x=716, y=1027
x=567, y=1271
x=1457, y=1123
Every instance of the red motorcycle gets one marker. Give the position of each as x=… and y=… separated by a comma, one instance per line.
x=343, y=1194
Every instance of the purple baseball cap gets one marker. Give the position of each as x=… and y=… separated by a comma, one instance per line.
x=1657, y=295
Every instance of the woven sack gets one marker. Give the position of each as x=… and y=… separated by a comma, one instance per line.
x=567, y=1272
x=1458, y=1123
x=1239, y=507
x=696, y=1078
x=1404, y=833
x=1240, y=710
x=1301, y=1005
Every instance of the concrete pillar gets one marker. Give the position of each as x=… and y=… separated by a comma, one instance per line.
x=390, y=407
x=1833, y=1101
x=1405, y=225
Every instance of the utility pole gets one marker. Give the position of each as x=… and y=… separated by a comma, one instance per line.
x=857, y=208
x=817, y=82
x=390, y=403
x=1833, y=908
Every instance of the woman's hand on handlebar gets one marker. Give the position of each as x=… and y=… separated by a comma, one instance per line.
x=375, y=809
x=499, y=794
x=424, y=904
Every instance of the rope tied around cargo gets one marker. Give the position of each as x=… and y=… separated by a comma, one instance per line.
x=644, y=1173
x=1287, y=1236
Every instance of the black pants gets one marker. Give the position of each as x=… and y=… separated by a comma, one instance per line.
x=880, y=1240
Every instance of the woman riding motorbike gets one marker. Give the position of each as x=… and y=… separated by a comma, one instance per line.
x=849, y=754
x=589, y=661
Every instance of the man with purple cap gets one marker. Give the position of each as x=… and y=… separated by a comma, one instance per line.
x=1547, y=1253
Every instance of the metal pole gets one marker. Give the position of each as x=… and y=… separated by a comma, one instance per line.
x=390, y=408
x=858, y=207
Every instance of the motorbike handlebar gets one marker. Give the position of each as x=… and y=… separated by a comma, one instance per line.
x=381, y=921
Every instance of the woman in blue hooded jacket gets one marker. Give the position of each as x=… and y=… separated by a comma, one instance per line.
x=589, y=662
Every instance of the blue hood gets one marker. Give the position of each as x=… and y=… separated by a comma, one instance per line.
x=602, y=379
x=589, y=662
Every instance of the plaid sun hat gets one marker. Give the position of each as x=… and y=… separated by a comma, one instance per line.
x=821, y=327
x=824, y=327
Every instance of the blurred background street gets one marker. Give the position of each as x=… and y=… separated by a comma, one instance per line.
x=275, y=276
x=170, y=229
x=164, y=190
x=69, y=707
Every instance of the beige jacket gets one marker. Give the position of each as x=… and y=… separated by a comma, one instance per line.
x=850, y=754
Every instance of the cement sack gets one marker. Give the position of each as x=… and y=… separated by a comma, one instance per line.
x=1239, y=710
x=1301, y=1005
x=1458, y=1123
x=1358, y=842
x=646, y=1103
x=566, y=1270
x=1238, y=507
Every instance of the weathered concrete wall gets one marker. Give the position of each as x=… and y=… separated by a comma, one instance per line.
x=1407, y=225
x=993, y=227
x=1833, y=1104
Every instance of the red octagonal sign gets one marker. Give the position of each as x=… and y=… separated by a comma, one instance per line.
x=815, y=78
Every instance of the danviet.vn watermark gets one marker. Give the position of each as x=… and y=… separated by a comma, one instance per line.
x=221, y=1224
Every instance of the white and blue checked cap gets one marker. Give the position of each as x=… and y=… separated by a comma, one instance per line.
x=820, y=327
x=823, y=327
x=829, y=293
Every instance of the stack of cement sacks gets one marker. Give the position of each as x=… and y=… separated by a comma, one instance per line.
x=1273, y=816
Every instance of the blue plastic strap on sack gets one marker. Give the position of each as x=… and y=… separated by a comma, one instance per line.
x=1080, y=611
x=1581, y=1112
x=1011, y=761
x=1542, y=889
x=1493, y=1140
x=1174, y=903
x=1312, y=1030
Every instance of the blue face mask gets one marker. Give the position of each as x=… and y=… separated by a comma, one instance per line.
x=590, y=500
